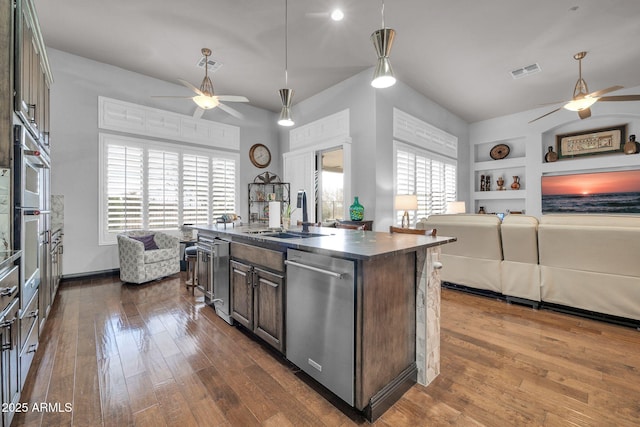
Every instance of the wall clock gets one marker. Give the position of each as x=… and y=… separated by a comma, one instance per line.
x=260, y=155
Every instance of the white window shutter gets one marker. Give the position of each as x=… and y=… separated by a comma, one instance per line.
x=124, y=188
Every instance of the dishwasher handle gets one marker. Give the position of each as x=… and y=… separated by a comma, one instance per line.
x=315, y=269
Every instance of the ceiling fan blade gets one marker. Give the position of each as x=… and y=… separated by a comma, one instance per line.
x=197, y=114
x=232, y=98
x=584, y=114
x=601, y=92
x=235, y=113
x=190, y=86
x=620, y=98
x=545, y=115
x=178, y=97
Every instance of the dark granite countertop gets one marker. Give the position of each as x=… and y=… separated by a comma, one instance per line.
x=356, y=244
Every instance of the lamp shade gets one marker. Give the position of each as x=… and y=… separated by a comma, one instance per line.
x=382, y=40
x=456, y=207
x=406, y=202
x=285, y=118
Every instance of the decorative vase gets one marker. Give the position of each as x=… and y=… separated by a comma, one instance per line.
x=487, y=183
x=481, y=210
x=500, y=183
x=630, y=146
x=551, y=156
x=481, y=182
x=356, y=210
x=516, y=183
x=286, y=223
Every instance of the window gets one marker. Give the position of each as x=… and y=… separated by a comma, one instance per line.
x=430, y=176
x=160, y=186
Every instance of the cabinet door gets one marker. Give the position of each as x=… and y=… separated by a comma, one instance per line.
x=9, y=331
x=23, y=78
x=268, y=317
x=242, y=293
x=202, y=271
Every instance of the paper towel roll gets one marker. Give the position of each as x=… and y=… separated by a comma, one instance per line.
x=274, y=214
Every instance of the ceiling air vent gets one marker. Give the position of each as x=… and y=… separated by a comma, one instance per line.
x=212, y=64
x=525, y=71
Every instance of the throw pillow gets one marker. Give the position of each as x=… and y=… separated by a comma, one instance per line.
x=149, y=243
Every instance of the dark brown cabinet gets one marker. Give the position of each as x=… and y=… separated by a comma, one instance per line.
x=257, y=293
x=32, y=75
x=9, y=342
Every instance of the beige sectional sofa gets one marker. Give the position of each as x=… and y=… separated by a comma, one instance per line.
x=588, y=262
x=591, y=262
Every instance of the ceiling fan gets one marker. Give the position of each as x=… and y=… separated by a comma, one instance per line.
x=205, y=97
x=582, y=99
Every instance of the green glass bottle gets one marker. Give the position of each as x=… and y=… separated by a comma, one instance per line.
x=356, y=210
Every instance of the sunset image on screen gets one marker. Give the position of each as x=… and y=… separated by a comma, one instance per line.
x=592, y=183
x=598, y=192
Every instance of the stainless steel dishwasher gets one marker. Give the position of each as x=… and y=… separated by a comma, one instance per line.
x=320, y=320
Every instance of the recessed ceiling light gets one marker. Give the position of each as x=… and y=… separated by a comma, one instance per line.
x=337, y=15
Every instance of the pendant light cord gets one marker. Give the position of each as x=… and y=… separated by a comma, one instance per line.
x=383, y=14
x=286, y=43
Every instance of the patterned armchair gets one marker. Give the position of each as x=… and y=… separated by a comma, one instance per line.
x=161, y=257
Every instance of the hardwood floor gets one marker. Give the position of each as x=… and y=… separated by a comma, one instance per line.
x=153, y=355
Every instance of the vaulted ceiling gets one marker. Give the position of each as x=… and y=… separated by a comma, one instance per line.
x=458, y=53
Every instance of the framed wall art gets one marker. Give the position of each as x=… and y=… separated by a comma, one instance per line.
x=588, y=143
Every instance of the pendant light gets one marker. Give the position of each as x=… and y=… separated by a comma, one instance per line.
x=286, y=95
x=382, y=41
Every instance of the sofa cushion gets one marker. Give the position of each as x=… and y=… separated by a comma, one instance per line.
x=147, y=241
x=157, y=255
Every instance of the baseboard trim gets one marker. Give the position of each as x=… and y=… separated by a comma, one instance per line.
x=90, y=275
x=474, y=291
x=593, y=315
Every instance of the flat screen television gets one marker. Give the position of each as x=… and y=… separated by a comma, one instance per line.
x=596, y=192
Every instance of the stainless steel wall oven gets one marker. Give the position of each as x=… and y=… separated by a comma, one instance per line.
x=30, y=216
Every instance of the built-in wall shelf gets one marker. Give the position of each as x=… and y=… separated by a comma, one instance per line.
x=500, y=195
x=586, y=164
x=500, y=164
x=514, y=164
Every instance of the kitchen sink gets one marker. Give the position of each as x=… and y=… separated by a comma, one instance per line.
x=293, y=235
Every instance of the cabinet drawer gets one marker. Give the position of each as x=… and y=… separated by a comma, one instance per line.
x=29, y=317
x=268, y=258
x=28, y=351
x=9, y=286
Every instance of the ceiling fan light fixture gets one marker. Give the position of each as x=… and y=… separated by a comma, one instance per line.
x=286, y=96
x=206, y=102
x=580, y=104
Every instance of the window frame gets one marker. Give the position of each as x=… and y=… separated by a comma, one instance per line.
x=432, y=156
x=105, y=237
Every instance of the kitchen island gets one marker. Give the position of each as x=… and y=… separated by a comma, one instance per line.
x=392, y=334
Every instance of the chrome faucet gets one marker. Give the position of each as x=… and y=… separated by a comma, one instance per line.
x=302, y=204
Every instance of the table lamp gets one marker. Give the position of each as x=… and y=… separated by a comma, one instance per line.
x=406, y=202
x=456, y=207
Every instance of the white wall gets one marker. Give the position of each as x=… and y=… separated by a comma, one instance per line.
x=74, y=145
x=541, y=134
x=371, y=127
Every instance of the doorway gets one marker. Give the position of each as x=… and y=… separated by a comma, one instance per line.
x=331, y=184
